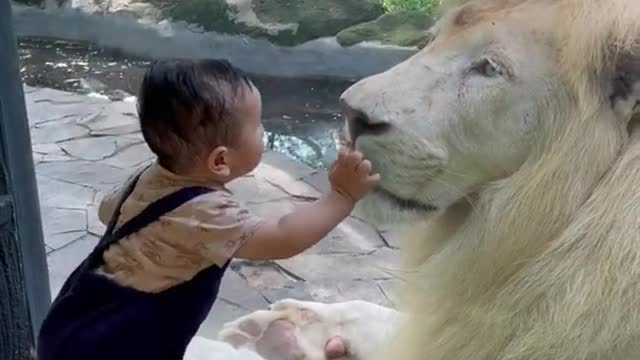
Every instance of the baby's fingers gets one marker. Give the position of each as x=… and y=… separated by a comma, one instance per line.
x=373, y=179
x=343, y=154
x=364, y=168
x=355, y=159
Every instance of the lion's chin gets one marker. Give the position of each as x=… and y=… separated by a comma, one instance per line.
x=381, y=211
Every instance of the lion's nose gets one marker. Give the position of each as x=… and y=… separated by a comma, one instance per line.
x=360, y=123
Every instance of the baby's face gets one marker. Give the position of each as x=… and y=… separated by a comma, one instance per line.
x=248, y=152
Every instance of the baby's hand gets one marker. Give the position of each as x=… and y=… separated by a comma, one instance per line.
x=350, y=175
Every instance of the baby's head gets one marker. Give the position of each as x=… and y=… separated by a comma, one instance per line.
x=201, y=118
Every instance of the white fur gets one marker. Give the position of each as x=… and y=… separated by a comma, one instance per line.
x=534, y=252
x=363, y=325
x=204, y=349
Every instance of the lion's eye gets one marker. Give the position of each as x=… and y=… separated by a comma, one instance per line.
x=489, y=68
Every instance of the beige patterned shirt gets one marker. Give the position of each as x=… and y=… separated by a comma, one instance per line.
x=205, y=231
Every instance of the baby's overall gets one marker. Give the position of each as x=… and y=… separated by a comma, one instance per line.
x=93, y=318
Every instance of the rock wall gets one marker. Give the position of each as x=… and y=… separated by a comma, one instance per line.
x=283, y=22
x=402, y=28
x=271, y=37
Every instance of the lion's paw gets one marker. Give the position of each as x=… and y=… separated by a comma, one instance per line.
x=248, y=328
x=289, y=330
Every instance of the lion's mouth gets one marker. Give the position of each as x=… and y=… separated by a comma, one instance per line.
x=405, y=204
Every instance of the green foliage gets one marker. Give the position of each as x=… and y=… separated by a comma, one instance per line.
x=422, y=5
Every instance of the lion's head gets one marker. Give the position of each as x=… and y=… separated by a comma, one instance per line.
x=515, y=134
x=494, y=90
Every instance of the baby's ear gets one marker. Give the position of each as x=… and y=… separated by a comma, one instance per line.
x=218, y=163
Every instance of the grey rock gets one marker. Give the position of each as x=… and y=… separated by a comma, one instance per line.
x=236, y=290
x=127, y=108
x=294, y=290
x=34, y=94
x=47, y=149
x=63, y=261
x=131, y=156
x=286, y=181
x=57, y=132
x=294, y=169
x=331, y=290
x=37, y=158
x=390, y=290
x=341, y=267
x=387, y=260
x=63, y=226
x=262, y=275
x=319, y=180
x=62, y=108
x=392, y=237
x=352, y=236
x=286, y=174
x=94, y=225
x=255, y=190
x=221, y=313
x=117, y=119
x=57, y=241
x=89, y=174
x=135, y=136
x=95, y=148
x=59, y=194
x=54, y=96
x=54, y=157
x=49, y=152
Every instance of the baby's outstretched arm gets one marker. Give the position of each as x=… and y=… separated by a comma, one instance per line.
x=306, y=225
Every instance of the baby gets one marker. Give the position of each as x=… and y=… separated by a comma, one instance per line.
x=173, y=227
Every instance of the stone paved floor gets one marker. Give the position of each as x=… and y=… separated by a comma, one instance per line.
x=83, y=145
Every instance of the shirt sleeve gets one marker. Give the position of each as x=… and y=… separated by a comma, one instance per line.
x=222, y=225
x=108, y=204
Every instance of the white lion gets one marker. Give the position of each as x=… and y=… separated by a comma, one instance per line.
x=513, y=140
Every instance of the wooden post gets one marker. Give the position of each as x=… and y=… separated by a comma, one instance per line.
x=24, y=280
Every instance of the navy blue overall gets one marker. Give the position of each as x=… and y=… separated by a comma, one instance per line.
x=93, y=318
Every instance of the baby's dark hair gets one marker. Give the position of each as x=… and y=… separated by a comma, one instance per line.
x=185, y=108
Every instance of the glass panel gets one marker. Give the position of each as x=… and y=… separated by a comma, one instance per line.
x=300, y=53
x=82, y=63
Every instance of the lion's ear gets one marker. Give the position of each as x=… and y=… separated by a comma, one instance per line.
x=625, y=88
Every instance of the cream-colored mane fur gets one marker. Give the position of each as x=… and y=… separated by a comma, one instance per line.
x=545, y=264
